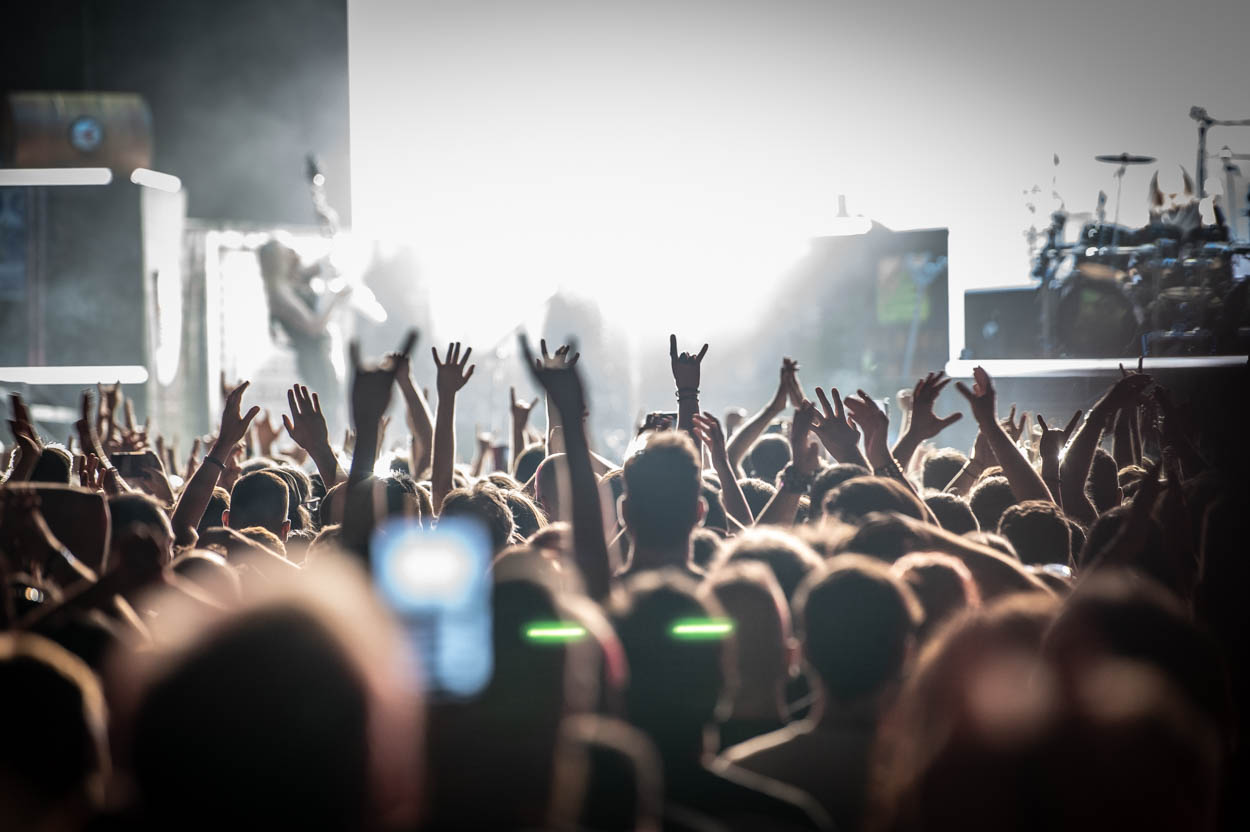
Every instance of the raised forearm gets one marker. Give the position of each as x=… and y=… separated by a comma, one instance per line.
x=444, y=459
x=590, y=550
x=746, y=435
x=196, y=496
x=731, y=495
x=1074, y=470
x=781, y=509
x=905, y=448
x=1026, y=484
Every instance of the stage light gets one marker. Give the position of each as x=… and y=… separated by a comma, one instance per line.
x=166, y=182
x=46, y=177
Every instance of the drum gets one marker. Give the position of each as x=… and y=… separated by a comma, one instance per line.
x=1095, y=319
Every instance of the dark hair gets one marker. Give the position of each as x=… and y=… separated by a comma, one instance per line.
x=526, y=464
x=1104, y=530
x=715, y=517
x=485, y=503
x=989, y=499
x=952, y=512
x=705, y=548
x=1103, y=484
x=132, y=511
x=1038, y=531
x=662, y=488
x=54, y=465
x=768, y=456
x=855, y=621
x=790, y=559
x=829, y=479
x=856, y=498
x=757, y=493
x=942, y=466
x=260, y=498
x=942, y=584
x=217, y=503
x=526, y=514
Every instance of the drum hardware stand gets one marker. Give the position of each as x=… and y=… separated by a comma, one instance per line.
x=1200, y=115
x=1115, y=223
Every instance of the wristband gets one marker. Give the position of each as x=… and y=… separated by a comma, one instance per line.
x=215, y=461
x=970, y=467
x=687, y=393
x=888, y=469
x=794, y=481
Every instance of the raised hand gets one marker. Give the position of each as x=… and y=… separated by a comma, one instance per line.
x=709, y=430
x=925, y=424
x=372, y=384
x=30, y=446
x=787, y=387
x=806, y=456
x=872, y=420
x=561, y=356
x=267, y=432
x=519, y=410
x=981, y=398
x=451, y=373
x=234, y=423
x=1013, y=428
x=836, y=432
x=1053, y=439
x=306, y=424
x=559, y=378
x=687, y=367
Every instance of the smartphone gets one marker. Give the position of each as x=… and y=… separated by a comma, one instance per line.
x=436, y=581
x=659, y=420
x=135, y=463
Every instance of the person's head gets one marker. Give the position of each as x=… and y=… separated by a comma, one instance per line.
x=662, y=503
x=769, y=454
x=210, y=572
x=1038, y=530
x=857, y=623
x=675, y=682
x=705, y=547
x=299, y=485
x=54, y=756
x=757, y=493
x=608, y=777
x=486, y=504
x=132, y=514
x=527, y=462
x=753, y=601
x=989, y=499
x=266, y=538
x=54, y=465
x=714, y=517
x=218, y=505
x=856, y=498
x=260, y=498
x=1104, y=530
x=952, y=512
x=789, y=558
x=526, y=514
x=942, y=466
x=941, y=583
x=995, y=541
x=885, y=536
x=277, y=262
x=1103, y=484
x=829, y=479
x=547, y=484
x=261, y=725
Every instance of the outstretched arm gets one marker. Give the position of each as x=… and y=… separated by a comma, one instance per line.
x=451, y=377
x=1026, y=484
x=199, y=491
x=796, y=477
x=519, y=414
x=924, y=423
x=420, y=422
x=564, y=390
x=709, y=430
x=686, y=372
x=754, y=427
x=837, y=433
x=306, y=425
x=1074, y=470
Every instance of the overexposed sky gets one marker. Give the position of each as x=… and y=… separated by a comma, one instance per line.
x=690, y=147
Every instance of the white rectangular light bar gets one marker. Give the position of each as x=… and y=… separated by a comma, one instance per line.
x=1007, y=367
x=41, y=177
x=155, y=179
x=77, y=376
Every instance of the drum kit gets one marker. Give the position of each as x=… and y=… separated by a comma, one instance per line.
x=1177, y=286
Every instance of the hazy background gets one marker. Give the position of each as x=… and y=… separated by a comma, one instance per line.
x=625, y=149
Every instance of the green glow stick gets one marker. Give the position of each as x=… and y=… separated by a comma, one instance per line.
x=702, y=628
x=555, y=631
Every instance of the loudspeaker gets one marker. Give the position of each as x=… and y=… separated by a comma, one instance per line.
x=1002, y=323
x=75, y=129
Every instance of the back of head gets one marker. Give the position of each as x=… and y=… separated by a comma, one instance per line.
x=54, y=755
x=54, y=465
x=829, y=479
x=856, y=498
x=608, y=777
x=952, y=512
x=263, y=725
x=1104, y=530
x=527, y=462
x=260, y=498
x=789, y=558
x=486, y=504
x=134, y=513
x=989, y=499
x=675, y=683
x=1038, y=531
x=856, y=622
x=942, y=584
x=218, y=503
x=662, y=488
x=942, y=466
x=757, y=493
x=751, y=598
x=705, y=548
x=526, y=515
x=768, y=456
x=1103, y=485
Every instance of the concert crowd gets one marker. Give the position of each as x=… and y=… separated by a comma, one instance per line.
x=776, y=620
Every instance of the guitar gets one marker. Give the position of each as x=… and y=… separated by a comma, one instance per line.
x=336, y=281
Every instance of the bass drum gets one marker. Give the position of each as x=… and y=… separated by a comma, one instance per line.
x=1095, y=319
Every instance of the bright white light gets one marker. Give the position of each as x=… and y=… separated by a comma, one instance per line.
x=166, y=182
x=962, y=368
x=76, y=375
x=41, y=177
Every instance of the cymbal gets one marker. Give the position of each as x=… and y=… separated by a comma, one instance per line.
x=1125, y=159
